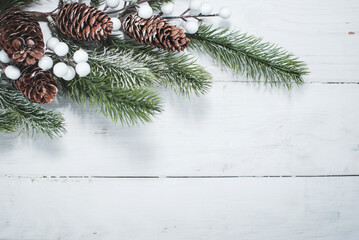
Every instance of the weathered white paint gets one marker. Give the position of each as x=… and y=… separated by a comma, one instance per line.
x=238, y=129
x=177, y=209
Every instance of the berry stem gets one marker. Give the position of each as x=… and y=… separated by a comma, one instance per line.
x=185, y=12
x=63, y=59
x=41, y=15
x=2, y=67
x=191, y=16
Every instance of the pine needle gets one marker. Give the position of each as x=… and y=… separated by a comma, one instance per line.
x=122, y=68
x=6, y=4
x=250, y=56
x=17, y=114
x=176, y=70
x=156, y=4
x=129, y=106
x=115, y=86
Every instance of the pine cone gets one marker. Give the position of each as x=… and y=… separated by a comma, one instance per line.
x=83, y=23
x=155, y=32
x=37, y=85
x=21, y=37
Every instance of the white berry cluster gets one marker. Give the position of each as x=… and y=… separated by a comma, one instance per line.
x=206, y=9
x=12, y=72
x=197, y=6
x=61, y=69
x=116, y=22
x=145, y=11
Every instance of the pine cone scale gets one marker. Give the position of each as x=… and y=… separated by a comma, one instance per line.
x=155, y=32
x=83, y=23
x=21, y=37
x=37, y=85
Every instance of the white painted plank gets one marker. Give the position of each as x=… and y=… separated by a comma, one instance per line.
x=316, y=31
x=237, y=129
x=208, y=209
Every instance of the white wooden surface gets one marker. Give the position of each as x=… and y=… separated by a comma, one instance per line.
x=243, y=162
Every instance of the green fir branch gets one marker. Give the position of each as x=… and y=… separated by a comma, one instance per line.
x=121, y=68
x=17, y=114
x=125, y=69
x=250, y=56
x=8, y=121
x=6, y=4
x=97, y=3
x=156, y=4
x=114, y=87
x=129, y=106
x=176, y=70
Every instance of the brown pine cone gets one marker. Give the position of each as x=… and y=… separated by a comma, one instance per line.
x=21, y=37
x=83, y=23
x=37, y=85
x=155, y=32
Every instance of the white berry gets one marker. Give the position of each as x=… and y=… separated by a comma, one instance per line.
x=60, y=69
x=112, y=3
x=206, y=8
x=195, y=5
x=83, y=69
x=225, y=13
x=12, y=72
x=144, y=4
x=61, y=49
x=4, y=58
x=71, y=73
x=46, y=63
x=167, y=8
x=52, y=42
x=81, y=56
x=191, y=27
x=116, y=24
x=145, y=12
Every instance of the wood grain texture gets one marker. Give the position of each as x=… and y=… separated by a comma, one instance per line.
x=325, y=34
x=239, y=132
x=210, y=209
x=237, y=129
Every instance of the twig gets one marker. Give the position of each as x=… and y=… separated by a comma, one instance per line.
x=41, y=15
x=63, y=59
x=191, y=16
x=185, y=12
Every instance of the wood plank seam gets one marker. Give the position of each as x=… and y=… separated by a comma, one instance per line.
x=305, y=83
x=179, y=177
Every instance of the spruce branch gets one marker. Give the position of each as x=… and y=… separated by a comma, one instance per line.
x=114, y=87
x=250, y=56
x=121, y=68
x=8, y=121
x=17, y=114
x=6, y=4
x=176, y=70
x=96, y=3
x=156, y=4
x=129, y=106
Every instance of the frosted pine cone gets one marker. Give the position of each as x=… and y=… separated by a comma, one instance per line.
x=37, y=85
x=83, y=23
x=155, y=32
x=21, y=37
